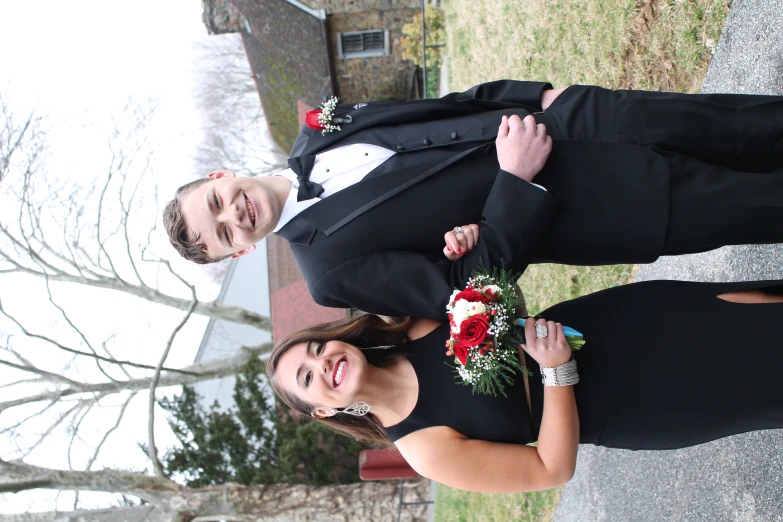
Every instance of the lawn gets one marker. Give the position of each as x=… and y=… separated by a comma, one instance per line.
x=637, y=44
x=633, y=44
x=457, y=506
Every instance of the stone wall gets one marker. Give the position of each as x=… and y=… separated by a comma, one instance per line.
x=374, y=78
x=220, y=17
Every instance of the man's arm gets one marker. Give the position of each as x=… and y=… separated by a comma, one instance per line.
x=535, y=96
x=515, y=217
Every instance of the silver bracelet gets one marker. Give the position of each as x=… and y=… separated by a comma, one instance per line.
x=563, y=375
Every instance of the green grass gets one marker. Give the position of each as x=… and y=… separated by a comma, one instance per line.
x=630, y=44
x=457, y=506
x=547, y=285
x=433, y=83
x=638, y=44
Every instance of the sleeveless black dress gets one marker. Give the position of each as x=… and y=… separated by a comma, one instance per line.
x=667, y=364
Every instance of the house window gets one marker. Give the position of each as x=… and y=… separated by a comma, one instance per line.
x=363, y=44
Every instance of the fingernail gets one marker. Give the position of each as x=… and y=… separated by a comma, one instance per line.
x=459, y=251
x=470, y=250
x=448, y=248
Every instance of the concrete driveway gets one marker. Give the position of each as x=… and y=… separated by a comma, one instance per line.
x=734, y=479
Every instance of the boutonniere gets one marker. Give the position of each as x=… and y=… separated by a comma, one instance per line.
x=323, y=119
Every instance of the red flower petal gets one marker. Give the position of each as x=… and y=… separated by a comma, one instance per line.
x=461, y=353
x=311, y=119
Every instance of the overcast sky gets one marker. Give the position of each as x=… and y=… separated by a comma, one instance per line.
x=80, y=61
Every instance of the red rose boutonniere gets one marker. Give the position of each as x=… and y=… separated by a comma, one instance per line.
x=323, y=119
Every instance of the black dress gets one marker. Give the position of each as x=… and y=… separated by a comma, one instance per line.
x=666, y=364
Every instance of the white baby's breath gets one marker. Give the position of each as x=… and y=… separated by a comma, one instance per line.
x=327, y=114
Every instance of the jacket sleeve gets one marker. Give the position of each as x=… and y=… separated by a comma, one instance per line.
x=502, y=94
x=400, y=283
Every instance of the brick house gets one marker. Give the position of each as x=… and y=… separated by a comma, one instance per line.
x=302, y=51
x=291, y=304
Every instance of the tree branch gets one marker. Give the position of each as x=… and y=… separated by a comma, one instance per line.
x=153, y=452
x=19, y=423
x=16, y=476
x=51, y=427
x=52, y=377
x=202, y=371
x=110, y=430
x=79, y=352
x=77, y=330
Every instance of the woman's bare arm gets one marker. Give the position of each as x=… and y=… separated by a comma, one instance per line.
x=446, y=456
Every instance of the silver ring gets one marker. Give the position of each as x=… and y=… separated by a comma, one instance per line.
x=541, y=331
x=458, y=230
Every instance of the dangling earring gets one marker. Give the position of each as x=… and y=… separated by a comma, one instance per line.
x=357, y=409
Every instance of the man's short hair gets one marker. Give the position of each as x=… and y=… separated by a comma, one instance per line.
x=189, y=248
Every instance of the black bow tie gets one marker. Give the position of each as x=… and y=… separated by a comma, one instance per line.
x=302, y=165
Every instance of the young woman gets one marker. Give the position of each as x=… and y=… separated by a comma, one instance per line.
x=667, y=364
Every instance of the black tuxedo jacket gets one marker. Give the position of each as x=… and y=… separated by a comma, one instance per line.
x=377, y=246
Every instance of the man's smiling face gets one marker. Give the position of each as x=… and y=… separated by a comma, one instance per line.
x=229, y=215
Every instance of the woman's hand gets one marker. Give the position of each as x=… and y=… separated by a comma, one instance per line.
x=550, y=351
x=460, y=241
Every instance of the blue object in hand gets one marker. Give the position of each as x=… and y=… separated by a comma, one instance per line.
x=567, y=330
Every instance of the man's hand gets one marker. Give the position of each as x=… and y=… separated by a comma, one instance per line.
x=523, y=147
x=549, y=96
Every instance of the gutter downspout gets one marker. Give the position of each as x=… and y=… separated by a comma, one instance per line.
x=320, y=14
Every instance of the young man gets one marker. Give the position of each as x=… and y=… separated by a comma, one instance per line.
x=631, y=176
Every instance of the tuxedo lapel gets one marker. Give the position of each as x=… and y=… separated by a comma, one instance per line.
x=336, y=211
x=406, y=128
x=380, y=114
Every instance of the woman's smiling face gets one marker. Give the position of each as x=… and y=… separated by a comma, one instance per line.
x=326, y=375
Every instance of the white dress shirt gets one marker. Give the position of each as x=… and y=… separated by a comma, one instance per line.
x=335, y=170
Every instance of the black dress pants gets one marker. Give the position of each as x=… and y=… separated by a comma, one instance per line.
x=724, y=153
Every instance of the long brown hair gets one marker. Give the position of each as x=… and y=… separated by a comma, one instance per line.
x=365, y=331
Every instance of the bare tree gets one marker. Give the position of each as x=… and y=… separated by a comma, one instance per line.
x=234, y=123
x=71, y=236
x=55, y=387
x=22, y=139
x=90, y=235
x=54, y=397
x=167, y=501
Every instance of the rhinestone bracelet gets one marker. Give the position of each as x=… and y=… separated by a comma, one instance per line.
x=563, y=375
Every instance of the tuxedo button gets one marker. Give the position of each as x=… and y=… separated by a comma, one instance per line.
x=400, y=147
x=453, y=135
x=427, y=141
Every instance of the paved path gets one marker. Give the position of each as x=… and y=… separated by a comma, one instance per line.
x=735, y=479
